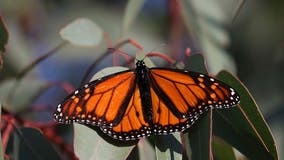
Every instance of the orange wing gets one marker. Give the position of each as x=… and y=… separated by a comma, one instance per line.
x=102, y=102
x=114, y=102
x=164, y=121
x=132, y=125
x=188, y=94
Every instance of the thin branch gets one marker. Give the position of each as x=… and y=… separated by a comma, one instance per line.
x=24, y=72
x=40, y=59
x=96, y=62
x=161, y=55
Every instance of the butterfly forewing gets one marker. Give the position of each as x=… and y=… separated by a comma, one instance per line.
x=101, y=102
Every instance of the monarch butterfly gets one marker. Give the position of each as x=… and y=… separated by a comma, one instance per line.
x=144, y=101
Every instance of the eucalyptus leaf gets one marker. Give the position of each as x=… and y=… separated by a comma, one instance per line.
x=198, y=134
x=206, y=21
x=82, y=32
x=31, y=144
x=222, y=150
x=168, y=147
x=88, y=145
x=199, y=137
x=132, y=9
x=24, y=91
x=244, y=126
x=108, y=71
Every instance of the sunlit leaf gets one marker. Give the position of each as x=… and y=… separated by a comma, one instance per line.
x=82, y=32
x=108, y=71
x=88, y=145
x=132, y=9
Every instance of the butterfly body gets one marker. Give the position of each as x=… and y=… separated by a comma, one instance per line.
x=136, y=103
x=143, y=82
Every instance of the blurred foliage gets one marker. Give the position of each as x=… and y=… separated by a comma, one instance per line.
x=244, y=37
x=3, y=35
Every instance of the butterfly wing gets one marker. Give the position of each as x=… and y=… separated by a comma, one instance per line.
x=114, y=102
x=102, y=102
x=133, y=124
x=164, y=121
x=180, y=96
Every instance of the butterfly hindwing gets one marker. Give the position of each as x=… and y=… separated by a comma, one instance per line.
x=133, y=125
x=164, y=121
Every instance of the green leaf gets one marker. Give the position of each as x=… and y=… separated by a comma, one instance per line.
x=108, y=71
x=3, y=35
x=168, y=147
x=82, y=32
x=199, y=133
x=244, y=126
x=88, y=145
x=205, y=21
x=132, y=9
x=222, y=150
x=31, y=144
x=196, y=63
x=199, y=137
x=23, y=93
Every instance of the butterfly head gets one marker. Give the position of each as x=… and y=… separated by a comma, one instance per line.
x=140, y=63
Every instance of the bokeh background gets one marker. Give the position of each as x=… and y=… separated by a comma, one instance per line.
x=244, y=37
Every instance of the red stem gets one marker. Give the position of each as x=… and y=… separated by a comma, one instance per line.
x=161, y=55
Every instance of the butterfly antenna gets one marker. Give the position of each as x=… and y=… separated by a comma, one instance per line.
x=144, y=56
x=159, y=46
